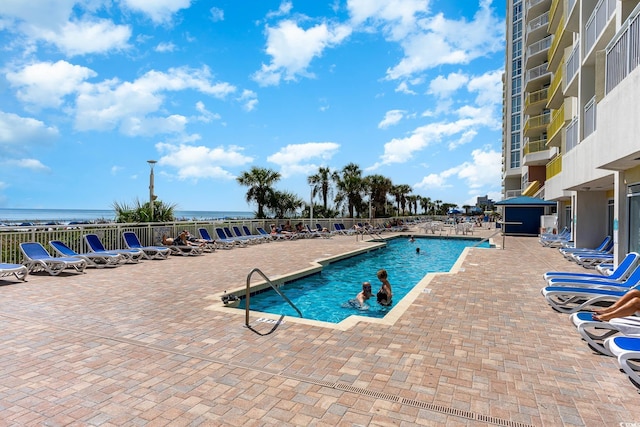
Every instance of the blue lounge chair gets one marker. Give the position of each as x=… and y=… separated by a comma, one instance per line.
x=627, y=351
x=628, y=265
x=36, y=258
x=250, y=239
x=95, y=245
x=594, y=332
x=19, y=271
x=227, y=242
x=569, y=299
x=261, y=236
x=149, y=252
x=605, y=246
x=93, y=259
x=210, y=242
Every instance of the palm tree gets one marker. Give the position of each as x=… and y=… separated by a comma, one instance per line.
x=400, y=192
x=378, y=187
x=425, y=204
x=260, y=182
x=321, y=182
x=141, y=212
x=412, y=201
x=284, y=204
x=350, y=186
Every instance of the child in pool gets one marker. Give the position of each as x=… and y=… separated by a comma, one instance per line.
x=359, y=301
x=384, y=295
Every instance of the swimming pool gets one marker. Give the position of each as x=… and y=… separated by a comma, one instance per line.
x=321, y=296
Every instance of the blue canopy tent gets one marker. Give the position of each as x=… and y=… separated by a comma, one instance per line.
x=526, y=211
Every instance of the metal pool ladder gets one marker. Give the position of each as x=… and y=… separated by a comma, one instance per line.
x=274, y=287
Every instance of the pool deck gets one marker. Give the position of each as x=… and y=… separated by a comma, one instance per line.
x=147, y=344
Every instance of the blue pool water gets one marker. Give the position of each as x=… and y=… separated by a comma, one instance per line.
x=321, y=296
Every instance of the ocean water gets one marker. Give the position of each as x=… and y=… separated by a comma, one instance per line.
x=14, y=216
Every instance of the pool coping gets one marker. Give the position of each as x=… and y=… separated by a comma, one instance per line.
x=316, y=266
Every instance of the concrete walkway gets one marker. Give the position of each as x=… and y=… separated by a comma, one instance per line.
x=145, y=345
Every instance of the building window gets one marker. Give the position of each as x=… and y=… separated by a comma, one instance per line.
x=515, y=159
x=516, y=67
x=517, y=29
x=517, y=48
x=517, y=10
x=516, y=85
x=516, y=104
x=515, y=122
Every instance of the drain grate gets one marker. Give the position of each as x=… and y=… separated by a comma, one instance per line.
x=366, y=392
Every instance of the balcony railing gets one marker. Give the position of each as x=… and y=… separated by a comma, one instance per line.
x=556, y=82
x=538, y=71
x=512, y=193
x=540, y=121
x=623, y=53
x=557, y=37
x=538, y=96
x=554, y=167
x=539, y=22
x=590, y=109
x=532, y=3
x=573, y=62
x=534, y=146
x=540, y=46
x=573, y=135
x=556, y=122
x=597, y=21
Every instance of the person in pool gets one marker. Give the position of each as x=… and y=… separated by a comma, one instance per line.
x=384, y=295
x=359, y=301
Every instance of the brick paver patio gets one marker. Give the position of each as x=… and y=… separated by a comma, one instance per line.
x=144, y=345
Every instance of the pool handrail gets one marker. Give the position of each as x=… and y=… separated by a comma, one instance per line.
x=275, y=288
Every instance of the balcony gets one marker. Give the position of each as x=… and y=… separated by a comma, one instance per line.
x=536, y=7
x=590, y=110
x=553, y=15
x=555, y=89
x=573, y=135
x=535, y=125
x=556, y=125
x=536, y=153
x=537, y=52
x=554, y=167
x=536, y=77
x=623, y=53
x=561, y=39
x=537, y=28
x=573, y=65
x=536, y=101
x=596, y=24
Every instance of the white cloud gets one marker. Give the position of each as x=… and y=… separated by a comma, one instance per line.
x=392, y=117
x=205, y=115
x=84, y=37
x=298, y=158
x=444, y=86
x=216, y=14
x=30, y=164
x=249, y=99
x=483, y=171
x=165, y=47
x=200, y=162
x=45, y=84
x=283, y=10
x=126, y=105
x=17, y=132
x=397, y=17
x=489, y=88
x=292, y=49
x=403, y=87
x=160, y=11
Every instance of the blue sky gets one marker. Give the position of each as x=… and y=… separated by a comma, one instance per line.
x=90, y=90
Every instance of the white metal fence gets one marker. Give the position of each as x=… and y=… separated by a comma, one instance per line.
x=623, y=53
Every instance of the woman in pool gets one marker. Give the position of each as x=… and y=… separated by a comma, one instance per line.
x=384, y=295
x=359, y=301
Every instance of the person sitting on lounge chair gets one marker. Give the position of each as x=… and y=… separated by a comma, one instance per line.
x=627, y=305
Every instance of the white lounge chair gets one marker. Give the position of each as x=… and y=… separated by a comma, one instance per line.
x=36, y=258
x=93, y=259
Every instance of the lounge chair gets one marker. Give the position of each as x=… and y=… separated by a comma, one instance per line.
x=261, y=236
x=149, y=252
x=624, y=269
x=592, y=260
x=93, y=259
x=227, y=242
x=604, y=246
x=36, y=258
x=569, y=299
x=627, y=274
x=594, y=332
x=95, y=245
x=210, y=242
x=266, y=234
x=627, y=350
x=249, y=238
x=18, y=270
